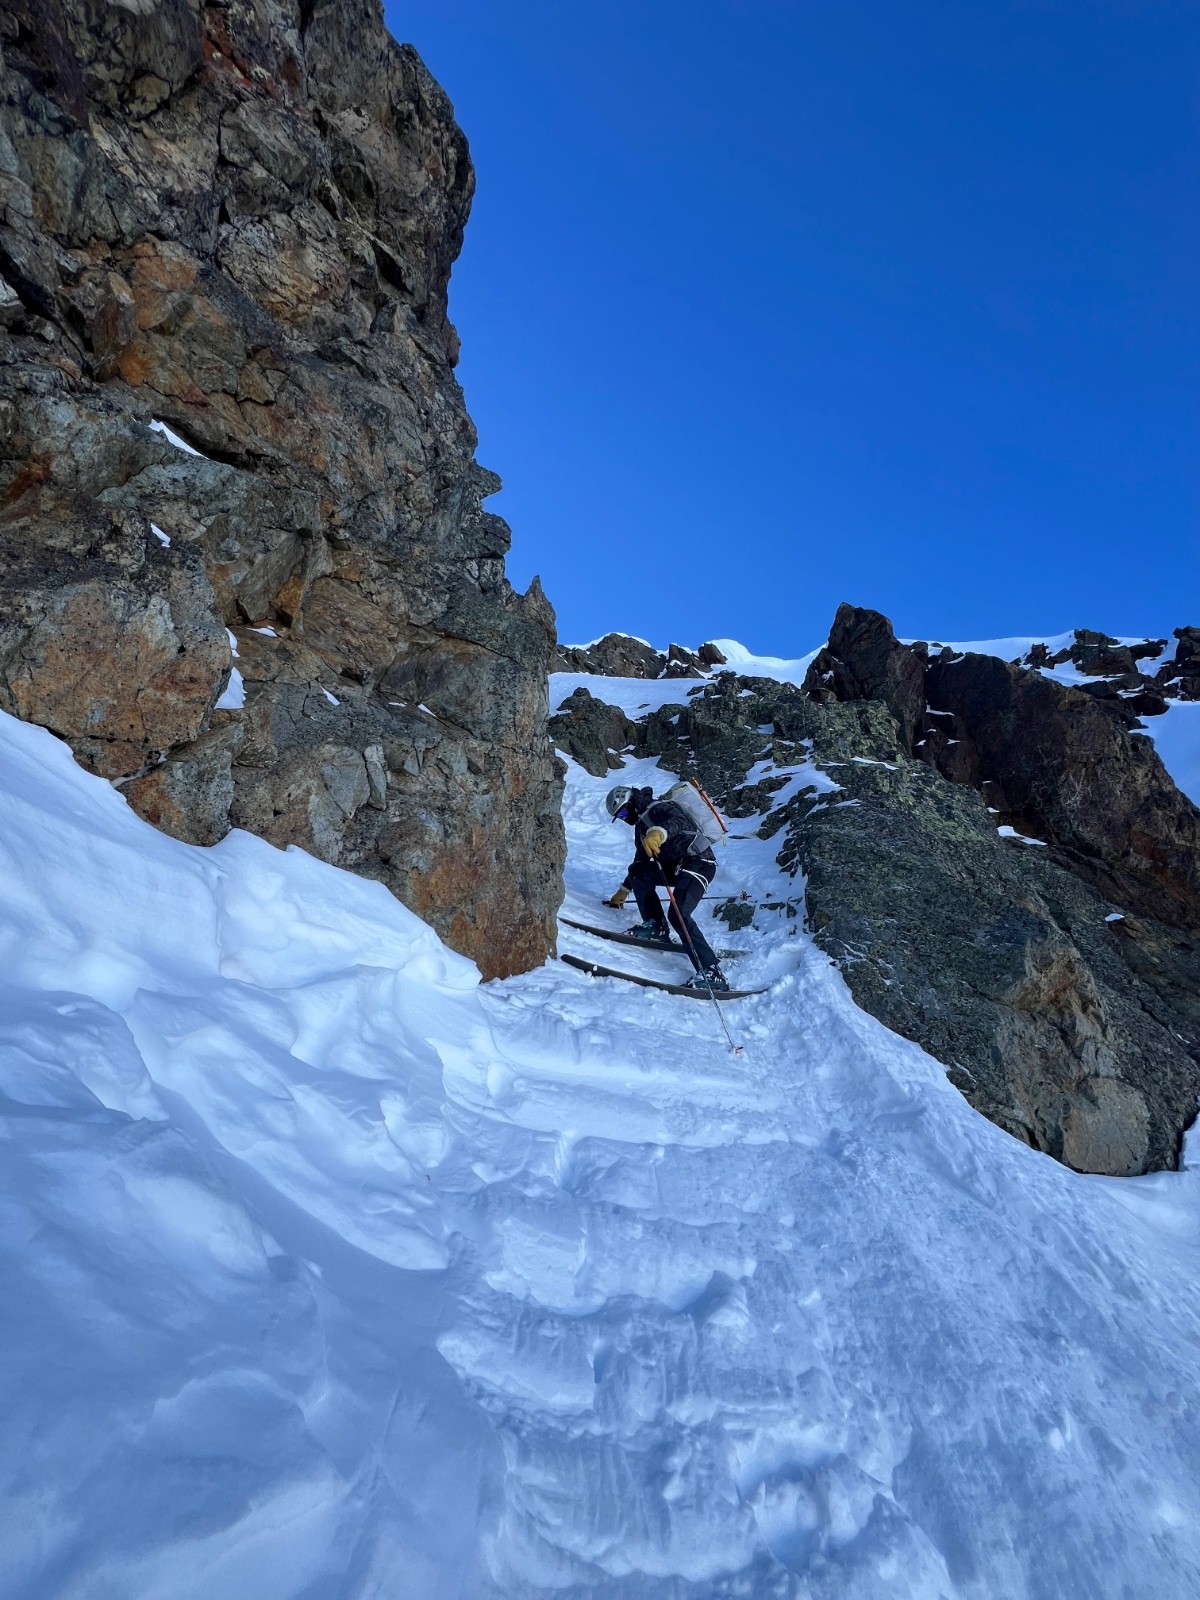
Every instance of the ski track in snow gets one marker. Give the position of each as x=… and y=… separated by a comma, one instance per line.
x=330, y=1274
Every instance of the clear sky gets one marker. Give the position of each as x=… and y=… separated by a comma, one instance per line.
x=767, y=304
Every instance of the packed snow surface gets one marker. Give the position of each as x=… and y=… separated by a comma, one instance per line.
x=331, y=1274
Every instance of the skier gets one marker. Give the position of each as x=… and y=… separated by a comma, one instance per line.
x=668, y=848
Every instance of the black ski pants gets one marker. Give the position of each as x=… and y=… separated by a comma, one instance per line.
x=689, y=888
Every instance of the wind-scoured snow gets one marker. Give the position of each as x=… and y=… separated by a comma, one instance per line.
x=1016, y=646
x=635, y=696
x=330, y=1274
x=1176, y=735
x=739, y=659
x=1011, y=648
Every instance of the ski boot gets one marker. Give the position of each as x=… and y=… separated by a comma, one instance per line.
x=653, y=932
x=712, y=979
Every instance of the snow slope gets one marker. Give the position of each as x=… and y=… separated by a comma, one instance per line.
x=1176, y=736
x=329, y=1274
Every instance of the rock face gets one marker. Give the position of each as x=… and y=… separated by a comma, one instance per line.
x=1058, y=981
x=1056, y=764
x=1119, y=672
x=620, y=655
x=1052, y=760
x=239, y=220
x=591, y=732
x=1182, y=674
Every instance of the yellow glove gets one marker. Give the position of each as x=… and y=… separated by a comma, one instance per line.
x=654, y=840
x=617, y=899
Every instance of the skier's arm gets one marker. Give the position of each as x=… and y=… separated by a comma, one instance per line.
x=679, y=829
x=619, y=896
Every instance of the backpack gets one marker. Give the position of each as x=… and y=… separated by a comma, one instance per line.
x=710, y=824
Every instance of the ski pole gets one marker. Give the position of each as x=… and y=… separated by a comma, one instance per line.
x=736, y=1048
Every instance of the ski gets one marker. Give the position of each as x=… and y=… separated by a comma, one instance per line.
x=594, y=970
x=619, y=937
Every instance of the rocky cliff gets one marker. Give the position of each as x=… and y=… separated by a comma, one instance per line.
x=620, y=655
x=997, y=861
x=237, y=218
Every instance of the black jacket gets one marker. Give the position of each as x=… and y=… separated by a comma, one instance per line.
x=685, y=847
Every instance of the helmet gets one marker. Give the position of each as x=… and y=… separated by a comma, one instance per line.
x=616, y=800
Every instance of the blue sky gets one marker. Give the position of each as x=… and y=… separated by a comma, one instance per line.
x=767, y=305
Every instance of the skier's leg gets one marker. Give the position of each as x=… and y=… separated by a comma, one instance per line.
x=688, y=892
x=645, y=892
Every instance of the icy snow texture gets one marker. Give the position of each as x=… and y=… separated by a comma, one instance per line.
x=330, y=1275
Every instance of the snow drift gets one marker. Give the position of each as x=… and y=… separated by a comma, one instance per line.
x=331, y=1274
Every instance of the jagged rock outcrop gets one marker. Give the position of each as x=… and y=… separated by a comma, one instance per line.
x=1181, y=675
x=1056, y=764
x=92, y=594
x=1052, y=760
x=239, y=220
x=617, y=655
x=1119, y=672
x=620, y=655
x=864, y=661
x=591, y=732
x=1067, y=1015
